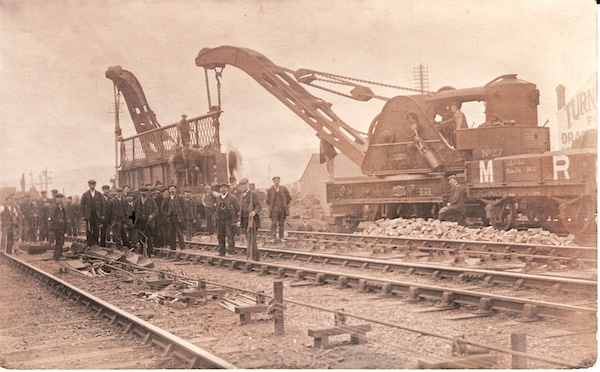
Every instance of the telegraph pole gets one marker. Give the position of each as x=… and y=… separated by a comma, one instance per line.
x=45, y=178
x=421, y=77
x=117, y=108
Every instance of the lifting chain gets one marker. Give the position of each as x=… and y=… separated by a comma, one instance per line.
x=207, y=87
x=218, y=75
x=346, y=80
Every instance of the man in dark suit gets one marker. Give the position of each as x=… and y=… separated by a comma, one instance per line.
x=209, y=202
x=455, y=209
x=146, y=212
x=190, y=213
x=174, y=212
x=58, y=222
x=93, y=210
x=28, y=214
x=157, y=195
x=42, y=209
x=106, y=222
x=119, y=218
x=72, y=225
x=278, y=199
x=249, y=218
x=228, y=208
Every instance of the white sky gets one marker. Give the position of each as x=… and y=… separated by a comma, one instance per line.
x=55, y=99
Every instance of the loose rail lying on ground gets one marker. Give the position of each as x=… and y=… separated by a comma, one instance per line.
x=194, y=356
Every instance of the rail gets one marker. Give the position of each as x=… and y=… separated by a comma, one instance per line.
x=460, y=340
x=171, y=344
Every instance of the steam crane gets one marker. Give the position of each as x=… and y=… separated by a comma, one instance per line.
x=143, y=117
x=407, y=153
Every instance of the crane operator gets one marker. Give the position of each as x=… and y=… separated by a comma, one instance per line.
x=457, y=121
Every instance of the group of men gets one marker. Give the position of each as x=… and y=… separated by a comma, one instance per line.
x=46, y=219
x=158, y=217
x=242, y=208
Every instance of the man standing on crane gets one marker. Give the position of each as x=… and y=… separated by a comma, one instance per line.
x=184, y=131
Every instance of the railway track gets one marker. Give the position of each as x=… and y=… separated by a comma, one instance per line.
x=484, y=301
x=477, y=249
x=218, y=263
x=91, y=315
x=481, y=273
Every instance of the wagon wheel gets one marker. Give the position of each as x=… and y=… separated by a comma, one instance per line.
x=504, y=215
x=578, y=216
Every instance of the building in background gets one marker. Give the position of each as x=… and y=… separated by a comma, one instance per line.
x=577, y=115
x=315, y=176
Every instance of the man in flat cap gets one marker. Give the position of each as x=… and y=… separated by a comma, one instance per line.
x=249, y=218
x=28, y=213
x=228, y=208
x=51, y=202
x=146, y=212
x=105, y=224
x=58, y=221
x=118, y=218
x=9, y=217
x=174, y=213
x=157, y=196
x=278, y=200
x=42, y=209
x=190, y=213
x=71, y=216
x=209, y=202
x=184, y=130
x=93, y=210
x=455, y=209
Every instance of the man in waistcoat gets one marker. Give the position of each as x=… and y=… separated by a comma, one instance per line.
x=227, y=215
x=146, y=212
x=173, y=211
x=249, y=219
x=93, y=210
x=278, y=200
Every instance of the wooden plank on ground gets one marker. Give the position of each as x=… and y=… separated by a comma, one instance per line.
x=459, y=362
x=432, y=309
x=467, y=316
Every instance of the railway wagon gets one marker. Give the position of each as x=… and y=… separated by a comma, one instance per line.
x=555, y=184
